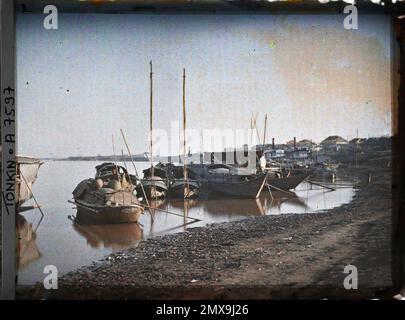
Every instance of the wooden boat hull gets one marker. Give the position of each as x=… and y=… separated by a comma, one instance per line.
x=176, y=190
x=27, y=171
x=106, y=200
x=240, y=189
x=152, y=192
x=89, y=214
x=153, y=189
x=286, y=183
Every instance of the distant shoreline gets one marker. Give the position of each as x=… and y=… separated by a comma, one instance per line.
x=98, y=158
x=106, y=159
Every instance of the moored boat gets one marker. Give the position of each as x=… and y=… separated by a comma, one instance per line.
x=286, y=183
x=26, y=175
x=154, y=187
x=108, y=198
x=181, y=188
x=248, y=188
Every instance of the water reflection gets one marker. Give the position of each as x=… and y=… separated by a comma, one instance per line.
x=26, y=246
x=183, y=205
x=174, y=215
x=244, y=207
x=114, y=236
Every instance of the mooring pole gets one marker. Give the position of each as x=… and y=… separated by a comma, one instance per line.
x=186, y=186
x=136, y=171
x=152, y=171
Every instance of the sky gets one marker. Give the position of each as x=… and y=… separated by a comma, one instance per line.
x=79, y=84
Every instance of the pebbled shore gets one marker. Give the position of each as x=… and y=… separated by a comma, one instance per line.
x=287, y=256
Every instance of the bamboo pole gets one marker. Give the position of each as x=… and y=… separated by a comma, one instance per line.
x=185, y=176
x=136, y=171
x=271, y=194
x=251, y=132
x=152, y=172
x=281, y=190
x=33, y=197
x=162, y=232
x=125, y=165
x=262, y=185
x=116, y=169
x=255, y=126
x=126, y=169
x=185, y=208
x=151, y=118
x=173, y=213
x=115, y=158
x=357, y=142
x=254, y=120
x=321, y=185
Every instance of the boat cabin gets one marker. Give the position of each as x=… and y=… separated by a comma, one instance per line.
x=109, y=170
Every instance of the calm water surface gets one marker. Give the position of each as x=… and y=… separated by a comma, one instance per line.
x=60, y=242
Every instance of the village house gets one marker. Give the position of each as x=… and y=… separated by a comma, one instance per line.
x=334, y=143
x=309, y=144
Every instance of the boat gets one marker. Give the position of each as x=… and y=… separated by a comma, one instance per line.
x=154, y=187
x=108, y=198
x=327, y=167
x=155, y=181
x=27, y=172
x=226, y=180
x=170, y=181
x=166, y=171
x=250, y=187
x=181, y=188
x=276, y=179
x=286, y=182
x=285, y=175
x=220, y=171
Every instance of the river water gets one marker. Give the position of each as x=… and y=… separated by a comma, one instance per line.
x=60, y=242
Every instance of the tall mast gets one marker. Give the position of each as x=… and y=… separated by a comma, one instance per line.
x=265, y=127
x=151, y=119
x=184, y=136
x=357, y=143
x=251, y=131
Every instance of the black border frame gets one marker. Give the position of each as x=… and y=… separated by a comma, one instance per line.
x=8, y=161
